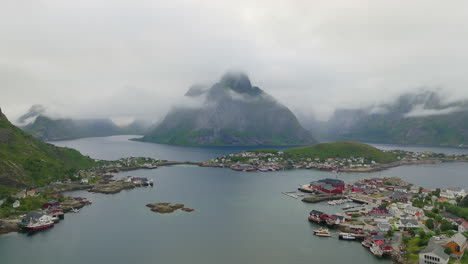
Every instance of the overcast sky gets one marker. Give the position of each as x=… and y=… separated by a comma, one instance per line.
x=134, y=58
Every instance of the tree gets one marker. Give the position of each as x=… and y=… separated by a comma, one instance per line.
x=430, y=224
x=464, y=201
x=389, y=233
x=447, y=251
x=445, y=225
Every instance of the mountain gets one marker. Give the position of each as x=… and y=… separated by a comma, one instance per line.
x=27, y=161
x=231, y=112
x=414, y=118
x=46, y=128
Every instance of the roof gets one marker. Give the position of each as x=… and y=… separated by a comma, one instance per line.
x=458, y=238
x=52, y=202
x=332, y=181
x=398, y=195
x=32, y=215
x=315, y=212
x=409, y=221
x=435, y=249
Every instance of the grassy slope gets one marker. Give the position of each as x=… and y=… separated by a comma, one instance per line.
x=341, y=149
x=25, y=160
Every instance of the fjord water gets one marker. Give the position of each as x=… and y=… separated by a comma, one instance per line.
x=238, y=218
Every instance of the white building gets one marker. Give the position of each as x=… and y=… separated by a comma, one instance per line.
x=433, y=254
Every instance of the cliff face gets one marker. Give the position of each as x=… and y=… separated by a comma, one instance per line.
x=27, y=161
x=231, y=112
x=420, y=118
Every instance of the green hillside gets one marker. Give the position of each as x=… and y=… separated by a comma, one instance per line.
x=341, y=149
x=27, y=161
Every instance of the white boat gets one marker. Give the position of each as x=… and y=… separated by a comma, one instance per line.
x=376, y=250
x=331, y=202
x=74, y=210
x=346, y=236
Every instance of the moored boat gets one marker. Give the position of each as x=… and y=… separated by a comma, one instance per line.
x=366, y=244
x=346, y=236
x=322, y=232
x=376, y=250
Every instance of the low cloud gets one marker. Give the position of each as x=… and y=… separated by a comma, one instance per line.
x=419, y=111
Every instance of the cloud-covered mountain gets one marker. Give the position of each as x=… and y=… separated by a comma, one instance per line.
x=231, y=112
x=47, y=128
x=414, y=118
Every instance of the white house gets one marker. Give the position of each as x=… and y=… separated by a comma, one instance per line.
x=447, y=194
x=407, y=223
x=456, y=191
x=433, y=254
x=84, y=180
x=411, y=210
x=384, y=226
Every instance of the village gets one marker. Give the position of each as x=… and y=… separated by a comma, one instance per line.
x=272, y=160
x=393, y=218
x=35, y=209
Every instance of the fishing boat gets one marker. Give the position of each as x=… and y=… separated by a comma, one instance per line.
x=346, y=236
x=376, y=250
x=322, y=232
x=366, y=244
x=33, y=222
x=39, y=225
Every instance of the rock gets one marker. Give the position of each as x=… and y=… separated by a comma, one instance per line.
x=165, y=208
x=8, y=226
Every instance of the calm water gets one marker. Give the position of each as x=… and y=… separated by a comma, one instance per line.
x=238, y=218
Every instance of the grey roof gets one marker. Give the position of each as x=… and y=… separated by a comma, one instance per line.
x=32, y=216
x=436, y=250
x=411, y=221
x=459, y=239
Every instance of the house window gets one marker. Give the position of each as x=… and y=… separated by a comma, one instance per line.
x=457, y=249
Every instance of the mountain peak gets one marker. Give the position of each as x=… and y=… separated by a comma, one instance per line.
x=238, y=82
x=233, y=113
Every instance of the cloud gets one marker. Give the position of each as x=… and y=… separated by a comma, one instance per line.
x=122, y=58
x=419, y=110
x=32, y=113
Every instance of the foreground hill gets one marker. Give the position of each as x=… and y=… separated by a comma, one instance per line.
x=46, y=128
x=27, y=161
x=341, y=149
x=420, y=118
x=231, y=112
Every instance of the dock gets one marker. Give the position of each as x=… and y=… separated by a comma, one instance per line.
x=293, y=194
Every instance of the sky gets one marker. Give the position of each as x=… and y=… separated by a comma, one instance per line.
x=128, y=59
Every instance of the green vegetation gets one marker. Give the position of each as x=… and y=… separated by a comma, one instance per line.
x=27, y=161
x=26, y=205
x=341, y=149
x=457, y=210
x=265, y=151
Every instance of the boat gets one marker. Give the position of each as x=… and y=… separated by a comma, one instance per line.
x=262, y=169
x=331, y=202
x=322, y=232
x=74, y=210
x=366, y=244
x=376, y=250
x=33, y=226
x=346, y=236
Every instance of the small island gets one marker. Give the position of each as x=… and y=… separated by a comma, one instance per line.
x=167, y=208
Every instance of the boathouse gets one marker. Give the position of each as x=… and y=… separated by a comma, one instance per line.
x=50, y=204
